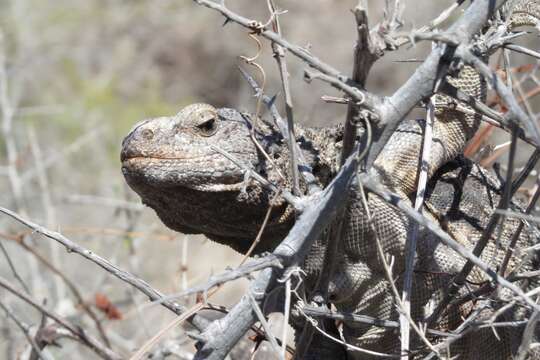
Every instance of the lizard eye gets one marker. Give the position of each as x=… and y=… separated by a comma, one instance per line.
x=208, y=127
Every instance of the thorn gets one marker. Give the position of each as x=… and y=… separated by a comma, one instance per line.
x=227, y=20
x=272, y=100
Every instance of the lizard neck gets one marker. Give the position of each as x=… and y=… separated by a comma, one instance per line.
x=321, y=148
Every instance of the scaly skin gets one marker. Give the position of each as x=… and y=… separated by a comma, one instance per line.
x=169, y=162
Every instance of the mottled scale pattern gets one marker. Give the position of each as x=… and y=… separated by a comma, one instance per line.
x=171, y=163
x=451, y=130
x=461, y=197
x=465, y=195
x=523, y=13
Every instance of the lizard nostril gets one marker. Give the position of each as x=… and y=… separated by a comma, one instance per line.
x=147, y=134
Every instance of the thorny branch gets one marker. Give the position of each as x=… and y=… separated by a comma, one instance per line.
x=388, y=113
x=320, y=208
x=123, y=275
x=79, y=333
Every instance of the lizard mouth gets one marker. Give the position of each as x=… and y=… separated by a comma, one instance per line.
x=126, y=158
x=155, y=171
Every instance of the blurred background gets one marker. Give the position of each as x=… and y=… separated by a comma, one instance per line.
x=76, y=75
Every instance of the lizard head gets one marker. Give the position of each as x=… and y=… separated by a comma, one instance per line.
x=180, y=150
x=173, y=165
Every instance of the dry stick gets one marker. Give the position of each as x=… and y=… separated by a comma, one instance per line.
x=338, y=80
x=253, y=127
x=528, y=336
x=7, y=111
x=50, y=213
x=463, y=329
x=279, y=55
x=286, y=311
x=346, y=344
x=25, y=330
x=258, y=237
x=81, y=335
x=515, y=113
x=291, y=199
x=410, y=244
x=265, y=325
x=352, y=318
x=488, y=115
x=395, y=200
x=197, y=321
x=507, y=194
x=388, y=273
x=232, y=274
x=284, y=130
x=421, y=84
x=176, y=322
x=518, y=115
x=515, y=236
x=365, y=55
x=522, y=50
x=80, y=301
x=13, y=269
x=220, y=336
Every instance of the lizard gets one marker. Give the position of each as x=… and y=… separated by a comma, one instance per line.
x=171, y=162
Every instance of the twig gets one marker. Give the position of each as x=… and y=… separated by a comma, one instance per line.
x=177, y=321
x=410, y=244
x=232, y=274
x=365, y=55
x=286, y=312
x=445, y=238
x=279, y=55
x=320, y=209
x=25, y=330
x=198, y=321
x=522, y=50
x=528, y=336
x=352, y=318
x=284, y=129
x=349, y=347
x=338, y=79
x=80, y=301
x=78, y=332
x=514, y=110
x=388, y=272
x=7, y=110
x=422, y=83
x=291, y=199
x=14, y=271
x=264, y=323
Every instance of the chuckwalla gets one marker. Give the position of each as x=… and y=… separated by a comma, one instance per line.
x=171, y=162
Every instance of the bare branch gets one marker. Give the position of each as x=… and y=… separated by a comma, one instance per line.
x=78, y=332
x=198, y=321
x=320, y=209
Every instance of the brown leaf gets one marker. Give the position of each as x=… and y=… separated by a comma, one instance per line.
x=103, y=303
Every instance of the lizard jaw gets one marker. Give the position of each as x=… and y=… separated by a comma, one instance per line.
x=151, y=170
